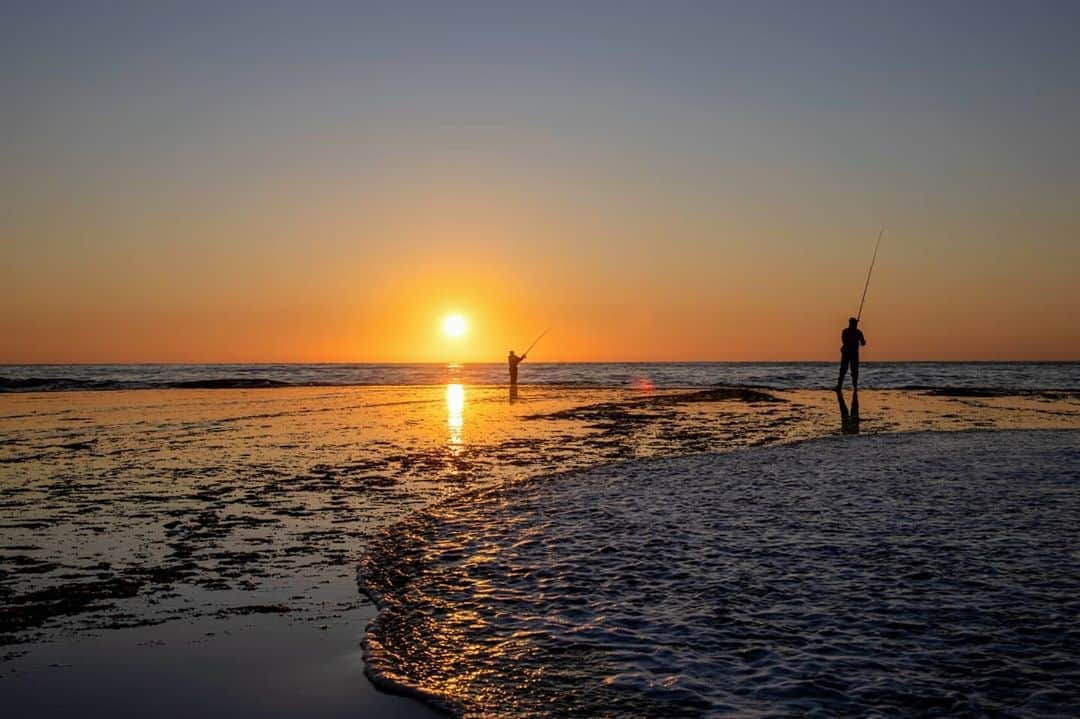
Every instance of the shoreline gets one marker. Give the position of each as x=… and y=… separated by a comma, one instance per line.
x=215, y=386
x=1062, y=375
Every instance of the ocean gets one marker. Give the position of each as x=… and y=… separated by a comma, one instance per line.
x=997, y=376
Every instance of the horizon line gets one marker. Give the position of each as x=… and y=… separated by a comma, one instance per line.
x=548, y=362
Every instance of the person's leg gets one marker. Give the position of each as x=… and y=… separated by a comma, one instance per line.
x=843, y=371
x=855, y=371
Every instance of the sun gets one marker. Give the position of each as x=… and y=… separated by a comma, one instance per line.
x=454, y=326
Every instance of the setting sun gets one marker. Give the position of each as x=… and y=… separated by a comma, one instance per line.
x=454, y=326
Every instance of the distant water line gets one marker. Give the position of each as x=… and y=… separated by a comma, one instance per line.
x=996, y=376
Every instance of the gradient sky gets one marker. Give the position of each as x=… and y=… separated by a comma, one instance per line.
x=312, y=181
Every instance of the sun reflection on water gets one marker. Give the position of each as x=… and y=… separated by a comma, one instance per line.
x=455, y=413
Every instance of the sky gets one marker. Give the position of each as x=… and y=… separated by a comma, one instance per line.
x=275, y=182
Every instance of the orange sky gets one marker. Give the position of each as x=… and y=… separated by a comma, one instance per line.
x=744, y=291
x=308, y=187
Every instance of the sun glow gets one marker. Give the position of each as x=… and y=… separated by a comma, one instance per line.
x=454, y=326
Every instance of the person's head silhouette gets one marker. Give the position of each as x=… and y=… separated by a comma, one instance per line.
x=852, y=321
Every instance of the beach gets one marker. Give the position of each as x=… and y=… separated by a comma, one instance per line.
x=197, y=548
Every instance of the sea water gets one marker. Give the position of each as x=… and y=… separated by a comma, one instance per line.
x=999, y=376
x=926, y=574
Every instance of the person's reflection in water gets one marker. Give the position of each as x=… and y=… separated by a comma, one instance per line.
x=849, y=421
x=513, y=392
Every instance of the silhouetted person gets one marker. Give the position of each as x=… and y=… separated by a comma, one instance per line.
x=513, y=360
x=851, y=339
x=849, y=421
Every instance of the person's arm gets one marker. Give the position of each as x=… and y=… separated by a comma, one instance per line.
x=862, y=339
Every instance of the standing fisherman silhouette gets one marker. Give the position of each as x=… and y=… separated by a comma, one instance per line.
x=851, y=339
x=513, y=361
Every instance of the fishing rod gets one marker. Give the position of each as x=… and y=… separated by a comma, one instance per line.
x=535, y=341
x=869, y=273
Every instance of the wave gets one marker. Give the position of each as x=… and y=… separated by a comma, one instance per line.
x=929, y=573
x=974, y=379
x=72, y=384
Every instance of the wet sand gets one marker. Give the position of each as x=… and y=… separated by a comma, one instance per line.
x=205, y=541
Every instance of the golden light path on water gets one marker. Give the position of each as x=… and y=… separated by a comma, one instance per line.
x=455, y=414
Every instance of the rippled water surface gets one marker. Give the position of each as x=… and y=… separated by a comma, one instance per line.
x=919, y=574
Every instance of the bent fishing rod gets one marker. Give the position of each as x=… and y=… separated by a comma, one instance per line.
x=869, y=273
